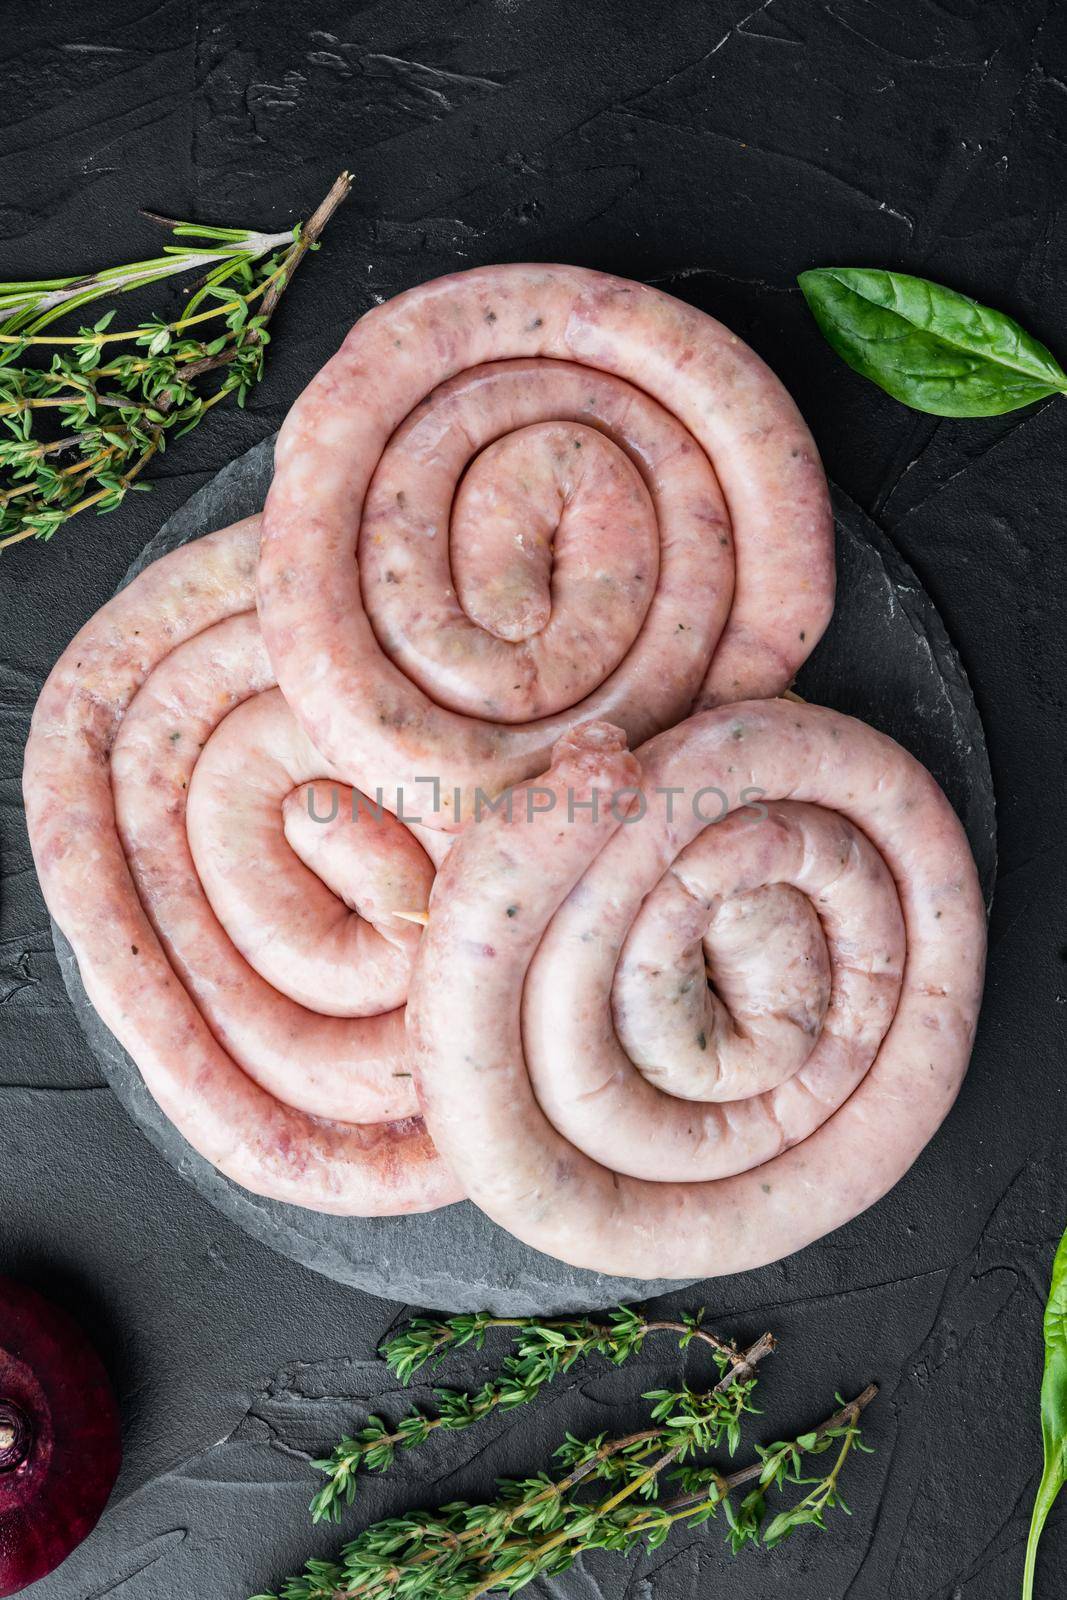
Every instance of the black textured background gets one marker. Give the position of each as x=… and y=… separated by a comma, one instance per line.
x=718, y=149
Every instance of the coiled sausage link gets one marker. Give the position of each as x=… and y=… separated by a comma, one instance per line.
x=166, y=788
x=521, y=497
x=574, y=1068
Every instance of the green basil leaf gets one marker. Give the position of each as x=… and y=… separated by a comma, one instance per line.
x=935, y=350
x=1053, y=1411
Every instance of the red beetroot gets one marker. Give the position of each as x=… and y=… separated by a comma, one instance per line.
x=59, y=1437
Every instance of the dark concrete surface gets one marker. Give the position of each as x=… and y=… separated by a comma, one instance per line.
x=717, y=149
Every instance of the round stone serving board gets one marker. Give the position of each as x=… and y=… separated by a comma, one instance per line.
x=886, y=658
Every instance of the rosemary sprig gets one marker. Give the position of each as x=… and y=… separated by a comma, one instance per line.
x=114, y=411
x=539, y=1526
x=543, y=1350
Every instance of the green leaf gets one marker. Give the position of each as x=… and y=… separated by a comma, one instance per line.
x=1053, y=1411
x=935, y=350
x=783, y=1525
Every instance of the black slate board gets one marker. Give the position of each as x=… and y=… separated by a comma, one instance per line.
x=886, y=657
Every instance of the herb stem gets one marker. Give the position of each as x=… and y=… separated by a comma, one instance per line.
x=123, y=280
x=539, y=1525
x=117, y=411
x=537, y=1551
x=543, y=1350
x=683, y=1508
x=702, y=1334
x=848, y=1413
x=93, y=499
x=1046, y=1497
x=747, y=1362
x=67, y=472
x=600, y=1330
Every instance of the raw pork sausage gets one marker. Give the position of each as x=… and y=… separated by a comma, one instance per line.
x=574, y=1068
x=217, y=927
x=525, y=496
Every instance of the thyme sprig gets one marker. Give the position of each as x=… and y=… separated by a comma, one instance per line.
x=543, y=1350
x=539, y=1526
x=111, y=410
